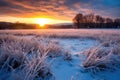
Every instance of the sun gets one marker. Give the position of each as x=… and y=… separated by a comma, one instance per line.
x=42, y=21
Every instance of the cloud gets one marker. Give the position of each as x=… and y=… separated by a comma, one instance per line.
x=58, y=9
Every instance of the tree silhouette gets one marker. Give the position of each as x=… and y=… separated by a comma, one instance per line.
x=117, y=22
x=78, y=20
x=89, y=18
x=99, y=19
x=94, y=21
x=108, y=20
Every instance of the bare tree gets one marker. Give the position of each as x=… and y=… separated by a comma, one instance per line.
x=89, y=18
x=108, y=20
x=117, y=22
x=99, y=19
x=94, y=21
x=78, y=20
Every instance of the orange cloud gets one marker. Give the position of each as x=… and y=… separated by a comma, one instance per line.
x=56, y=9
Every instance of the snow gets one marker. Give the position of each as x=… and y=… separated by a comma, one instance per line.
x=73, y=70
x=69, y=70
x=77, y=45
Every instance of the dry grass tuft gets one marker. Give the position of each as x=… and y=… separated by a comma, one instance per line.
x=104, y=56
x=25, y=59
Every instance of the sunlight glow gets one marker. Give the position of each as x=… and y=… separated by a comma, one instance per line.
x=42, y=21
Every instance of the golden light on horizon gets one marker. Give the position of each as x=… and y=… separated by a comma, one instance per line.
x=42, y=21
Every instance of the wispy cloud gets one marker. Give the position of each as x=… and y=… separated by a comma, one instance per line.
x=58, y=9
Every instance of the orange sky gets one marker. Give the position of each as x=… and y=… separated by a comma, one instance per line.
x=57, y=11
x=33, y=20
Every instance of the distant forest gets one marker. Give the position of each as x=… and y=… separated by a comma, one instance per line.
x=17, y=25
x=79, y=21
x=94, y=21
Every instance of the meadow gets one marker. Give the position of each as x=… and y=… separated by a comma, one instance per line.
x=60, y=54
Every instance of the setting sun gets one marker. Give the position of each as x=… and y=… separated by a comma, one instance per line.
x=42, y=21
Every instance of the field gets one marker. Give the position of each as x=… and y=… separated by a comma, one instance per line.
x=60, y=54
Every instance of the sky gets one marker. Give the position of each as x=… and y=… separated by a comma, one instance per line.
x=57, y=11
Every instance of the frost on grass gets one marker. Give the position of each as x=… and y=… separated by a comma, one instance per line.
x=54, y=47
x=104, y=56
x=23, y=59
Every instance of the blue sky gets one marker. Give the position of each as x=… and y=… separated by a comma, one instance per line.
x=58, y=9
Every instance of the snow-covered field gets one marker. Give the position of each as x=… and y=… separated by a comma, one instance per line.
x=52, y=54
x=68, y=70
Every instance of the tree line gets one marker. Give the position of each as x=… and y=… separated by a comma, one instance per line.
x=94, y=21
x=79, y=21
x=17, y=25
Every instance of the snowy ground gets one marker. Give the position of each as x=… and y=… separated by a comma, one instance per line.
x=73, y=70
x=66, y=70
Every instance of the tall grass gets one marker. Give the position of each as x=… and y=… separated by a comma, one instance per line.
x=25, y=59
x=104, y=56
x=65, y=33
